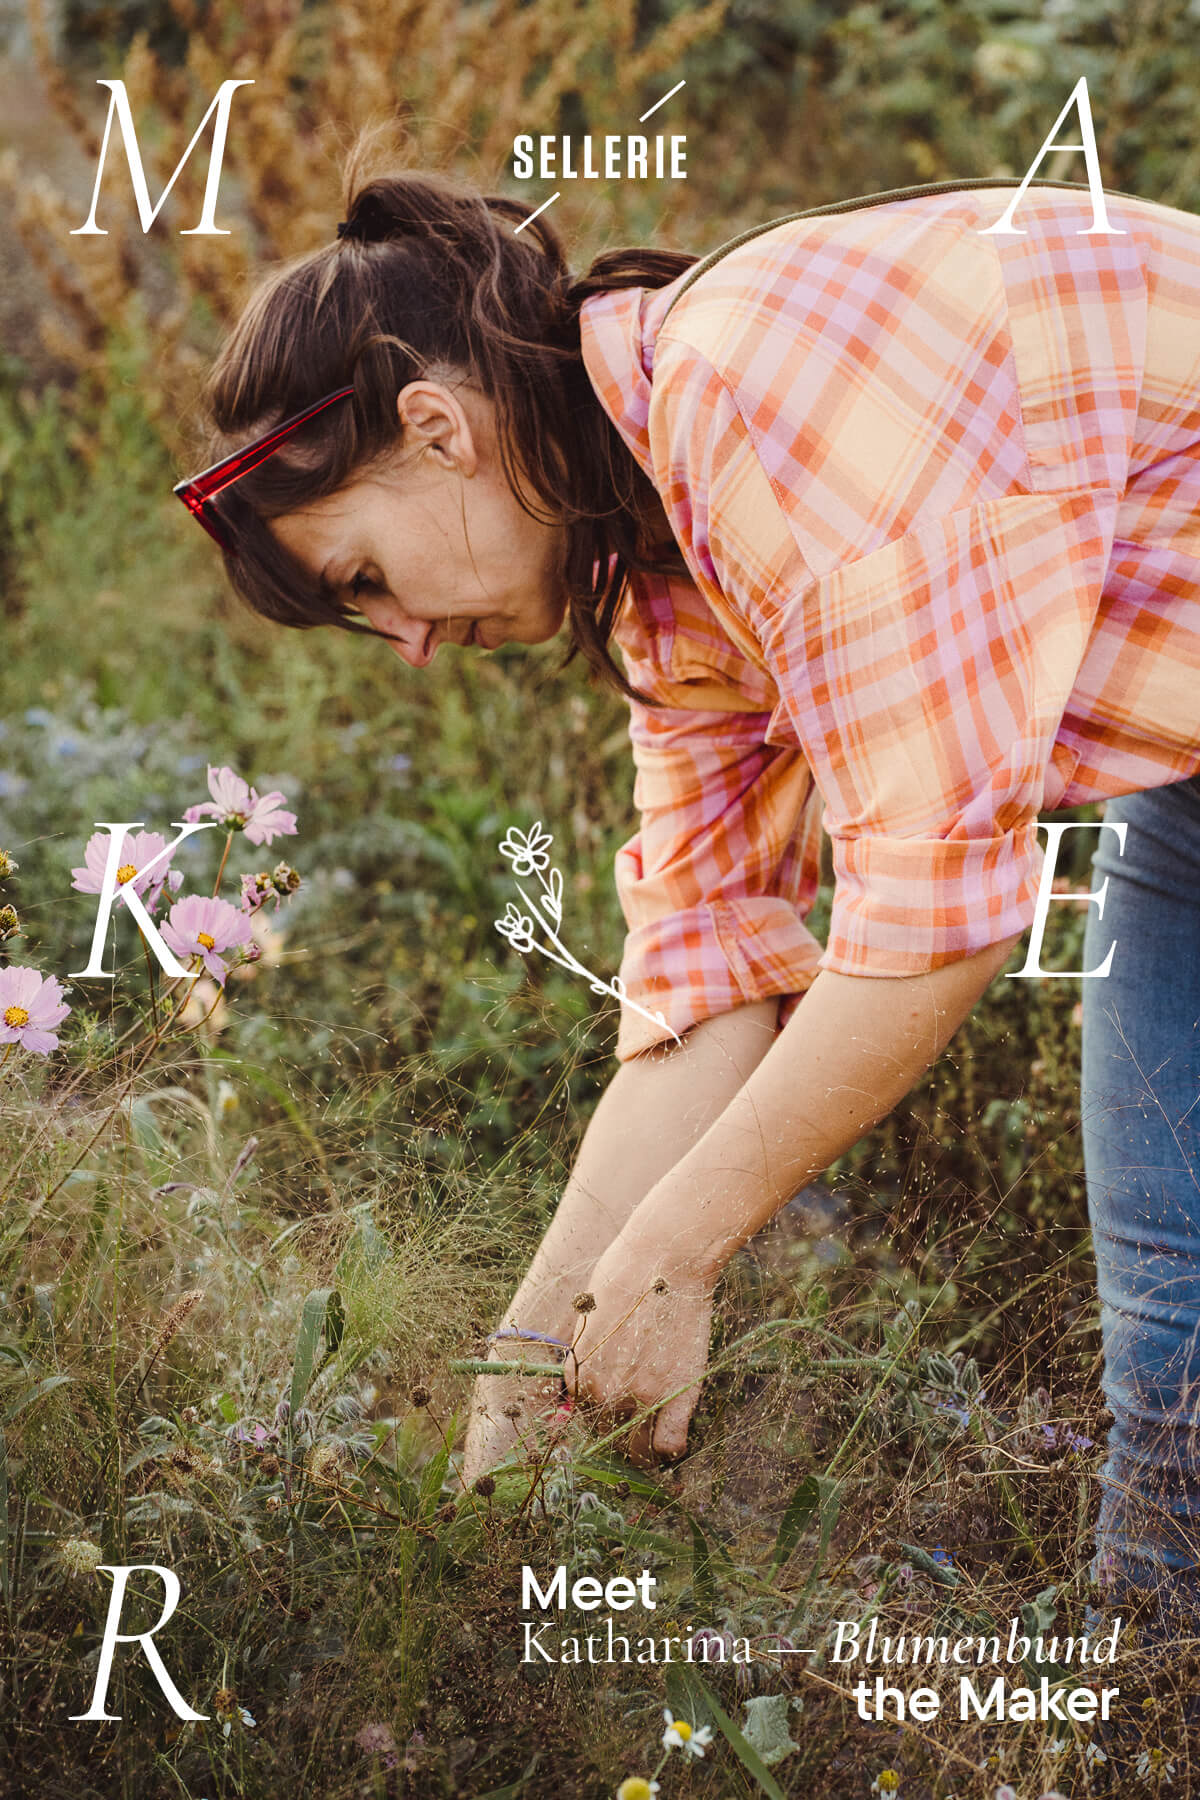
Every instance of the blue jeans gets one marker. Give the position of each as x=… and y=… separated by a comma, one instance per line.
x=1141, y=1136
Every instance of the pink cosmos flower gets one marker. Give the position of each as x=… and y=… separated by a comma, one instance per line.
x=138, y=849
x=205, y=927
x=239, y=807
x=31, y=1008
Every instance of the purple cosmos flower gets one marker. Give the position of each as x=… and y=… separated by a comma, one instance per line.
x=241, y=808
x=31, y=1009
x=206, y=927
x=137, y=849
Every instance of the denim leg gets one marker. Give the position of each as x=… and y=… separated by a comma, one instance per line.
x=1141, y=1135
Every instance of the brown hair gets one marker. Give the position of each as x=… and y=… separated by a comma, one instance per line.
x=431, y=273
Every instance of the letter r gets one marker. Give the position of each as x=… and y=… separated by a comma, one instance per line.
x=120, y=1573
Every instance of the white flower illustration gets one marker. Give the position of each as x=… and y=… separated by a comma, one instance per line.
x=517, y=928
x=528, y=852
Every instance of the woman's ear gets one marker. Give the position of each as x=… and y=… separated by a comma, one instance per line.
x=434, y=421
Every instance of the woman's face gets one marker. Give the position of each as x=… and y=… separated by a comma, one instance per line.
x=434, y=547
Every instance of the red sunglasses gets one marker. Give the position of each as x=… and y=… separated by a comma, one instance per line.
x=198, y=491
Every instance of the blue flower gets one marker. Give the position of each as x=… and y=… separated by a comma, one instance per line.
x=37, y=715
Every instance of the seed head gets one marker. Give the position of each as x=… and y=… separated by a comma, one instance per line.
x=326, y=1462
x=175, y=1318
x=79, y=1556
x=420, y=1396
x=584, y=1303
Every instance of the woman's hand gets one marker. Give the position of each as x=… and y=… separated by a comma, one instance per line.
x=645, y=1338
x=510, y=1414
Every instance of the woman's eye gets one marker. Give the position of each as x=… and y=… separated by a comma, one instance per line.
x=359, y=583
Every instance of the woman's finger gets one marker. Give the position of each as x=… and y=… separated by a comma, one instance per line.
x=640, y=1443
x=671, y=1424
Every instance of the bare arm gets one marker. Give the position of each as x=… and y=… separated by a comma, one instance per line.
x=655, y=1109
x=852, y=1049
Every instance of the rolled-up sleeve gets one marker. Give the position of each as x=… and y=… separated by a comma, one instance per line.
x=716, y=883
x=924, y=682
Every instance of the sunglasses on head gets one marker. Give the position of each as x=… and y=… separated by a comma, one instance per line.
x=199, y=491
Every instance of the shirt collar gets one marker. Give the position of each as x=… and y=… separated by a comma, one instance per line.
x=618, y=331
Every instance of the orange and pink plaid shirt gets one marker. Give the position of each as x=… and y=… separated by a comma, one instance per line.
x=939, y=496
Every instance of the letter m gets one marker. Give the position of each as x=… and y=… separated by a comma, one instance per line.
x=531, y=1590
x=118, y=107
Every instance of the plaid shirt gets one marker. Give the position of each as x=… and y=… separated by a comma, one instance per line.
x=939, y=496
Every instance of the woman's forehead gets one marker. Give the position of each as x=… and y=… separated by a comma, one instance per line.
x=321, y=530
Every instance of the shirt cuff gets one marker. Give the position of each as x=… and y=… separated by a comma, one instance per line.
x=710, y=959
x=904, y=906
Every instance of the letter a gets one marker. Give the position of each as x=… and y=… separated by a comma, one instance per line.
x=112, y=1637
x=1046, y=893
x=119, y=104
x=109, y=889
x=1079, y=96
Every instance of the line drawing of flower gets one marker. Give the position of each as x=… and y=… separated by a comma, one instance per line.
x=528, y=852
x=517, y=928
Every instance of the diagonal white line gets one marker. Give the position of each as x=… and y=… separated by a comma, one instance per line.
x=533, y=215
x=662, y=102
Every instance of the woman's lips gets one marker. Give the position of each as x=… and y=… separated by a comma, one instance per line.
x=430, y=646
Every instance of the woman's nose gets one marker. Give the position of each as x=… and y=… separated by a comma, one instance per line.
x=407, y=637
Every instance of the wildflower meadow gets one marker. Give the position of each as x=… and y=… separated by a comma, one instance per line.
x=307, y=992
